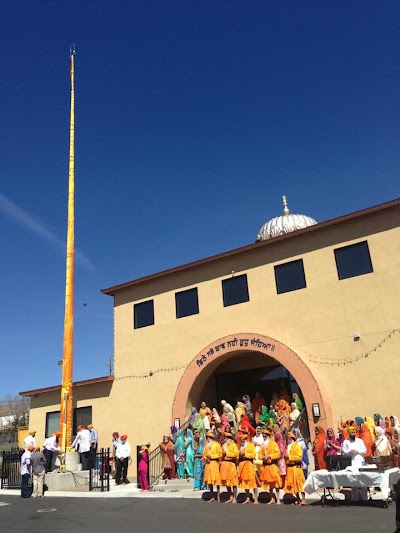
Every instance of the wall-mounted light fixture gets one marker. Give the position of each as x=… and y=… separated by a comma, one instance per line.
x=316, y=411
x=356, y=336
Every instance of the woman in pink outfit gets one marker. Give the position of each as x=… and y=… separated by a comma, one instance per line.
x=143, y=468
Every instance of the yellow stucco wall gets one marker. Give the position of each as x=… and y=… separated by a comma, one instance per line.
x=319, y=320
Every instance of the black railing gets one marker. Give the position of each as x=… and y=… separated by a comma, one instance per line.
x=99, y=475
x=156, y=470
x=301, y=423
x=11, y=470
x=155, y=466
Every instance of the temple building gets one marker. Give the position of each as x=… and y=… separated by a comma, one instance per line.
x=309, y=307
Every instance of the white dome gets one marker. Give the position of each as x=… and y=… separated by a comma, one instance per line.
x=286, y=223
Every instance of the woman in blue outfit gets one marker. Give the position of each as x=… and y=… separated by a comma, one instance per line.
x=189, y=452
x=198, y=470
x=180, y=457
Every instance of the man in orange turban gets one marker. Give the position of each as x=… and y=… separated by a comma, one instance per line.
x=246, y=471
x=228, y=474
x=211, y=456
x=294, y=474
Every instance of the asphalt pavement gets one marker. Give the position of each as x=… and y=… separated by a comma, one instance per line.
x=75, y=515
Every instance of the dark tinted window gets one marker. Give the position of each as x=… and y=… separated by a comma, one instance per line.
x=235, y=290
x=353, y=260
x=290, y=276
x=186, y=303
x=52, y=423
x=82, y=417
x=144, y=314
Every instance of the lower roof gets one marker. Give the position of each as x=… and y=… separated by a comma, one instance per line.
x=35, y=392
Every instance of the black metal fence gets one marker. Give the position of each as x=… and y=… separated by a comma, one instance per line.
x=301, y=423
x=99, y=476
x=11, y=470
x=156, y=470
x=155, y=466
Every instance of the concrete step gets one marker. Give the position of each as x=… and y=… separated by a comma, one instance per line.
x=174, y=485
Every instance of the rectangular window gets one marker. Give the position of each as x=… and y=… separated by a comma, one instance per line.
x=82, y=417
x=52, y=423
x=186, y=303
x=290, y=276
x=144, y=314
x=235, y=290
x=353, y=260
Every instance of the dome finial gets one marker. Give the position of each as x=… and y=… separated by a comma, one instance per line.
x=285, y=207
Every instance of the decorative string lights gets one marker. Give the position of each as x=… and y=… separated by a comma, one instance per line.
x=348, y=360
x=151, y=373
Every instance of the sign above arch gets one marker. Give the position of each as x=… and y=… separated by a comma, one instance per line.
x=208, y=359
x=235, y=343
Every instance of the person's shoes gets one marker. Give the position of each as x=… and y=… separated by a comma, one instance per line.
x=126, y=482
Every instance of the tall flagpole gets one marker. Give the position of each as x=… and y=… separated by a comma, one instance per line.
x=66, y=386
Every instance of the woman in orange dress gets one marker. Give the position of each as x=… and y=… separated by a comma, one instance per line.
x=318, y=448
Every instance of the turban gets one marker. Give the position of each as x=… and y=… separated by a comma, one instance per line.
x=359, y=420
x=227, y=434
x=242, y=437
x=124, y=437
x=30, y=448
x=115, y=435
x=32, y=432
x=80, y=427
x=90, y=426
x=56, y=434
x=351, y=428
x=291, y=435
x=210, y=434
x=37, y=449
x=266, y=432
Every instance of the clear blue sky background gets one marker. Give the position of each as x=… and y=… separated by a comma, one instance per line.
x=192, y=119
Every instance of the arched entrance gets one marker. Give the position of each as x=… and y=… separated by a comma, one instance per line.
x=219, y=352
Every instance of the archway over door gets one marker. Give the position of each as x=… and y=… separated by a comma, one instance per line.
x=219, y=351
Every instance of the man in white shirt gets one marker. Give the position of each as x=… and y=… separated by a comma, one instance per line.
x=30, y=439
x=122, y=452
x=94, y=438
x=355, y=447
x=26, y=471
x=50, y=447
x=82, y=444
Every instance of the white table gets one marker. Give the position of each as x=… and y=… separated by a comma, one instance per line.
x=351, y=477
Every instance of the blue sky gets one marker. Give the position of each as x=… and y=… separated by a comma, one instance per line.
x=192, y=120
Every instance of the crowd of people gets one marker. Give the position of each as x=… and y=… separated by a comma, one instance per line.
x=36, y=461
x=379, y=437
x=250, y=446
x=362, y=440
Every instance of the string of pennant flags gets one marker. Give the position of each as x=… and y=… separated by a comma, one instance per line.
x=349, y=360
x=313, y=358
x=152, y=372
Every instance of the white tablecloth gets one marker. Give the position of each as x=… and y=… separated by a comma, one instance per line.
x=352, y=478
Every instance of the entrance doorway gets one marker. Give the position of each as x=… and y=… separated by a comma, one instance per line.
x=267, y=381
x=249, y=373
x=242, y=363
